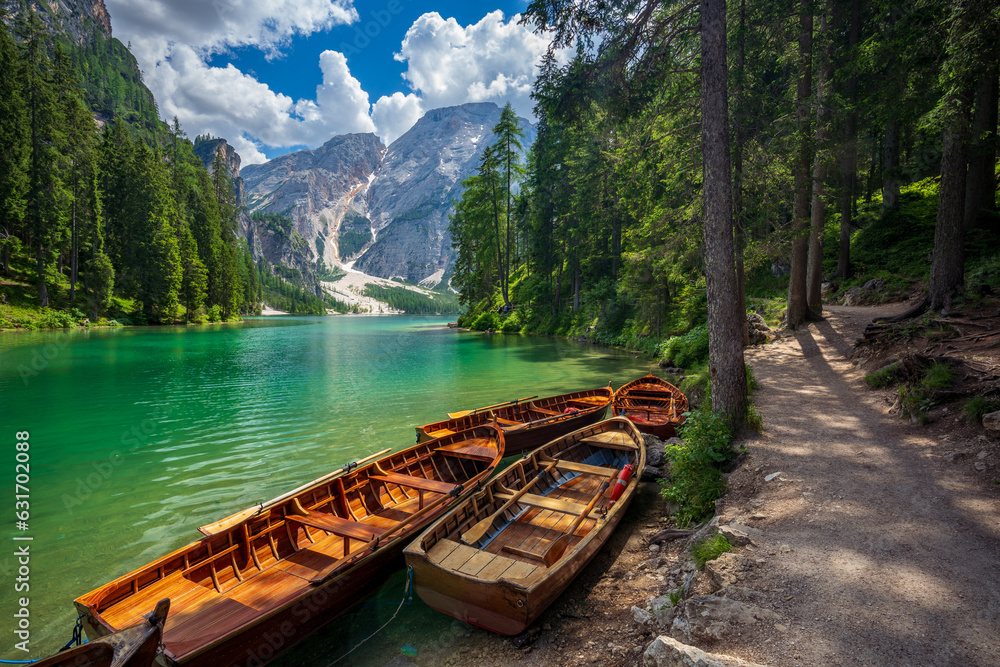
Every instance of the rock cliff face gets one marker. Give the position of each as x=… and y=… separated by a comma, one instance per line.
x=77, y=19
x=413, y=193
x=320, y=189
x=385, y=210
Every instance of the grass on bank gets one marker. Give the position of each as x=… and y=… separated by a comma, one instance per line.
x=710, y=548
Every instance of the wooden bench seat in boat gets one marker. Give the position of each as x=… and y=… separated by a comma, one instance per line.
x=440, y=433
x=584, y=468
x=336, y=525
x=590, y=401
x=545, y=411
x=480, y=564
x=553, y=504
x=507, y=422
x=475, y=449
x=609, y=440
x=421, y=484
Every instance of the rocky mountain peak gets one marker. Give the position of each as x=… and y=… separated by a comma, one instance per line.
x=382, y=210
x=77, y=19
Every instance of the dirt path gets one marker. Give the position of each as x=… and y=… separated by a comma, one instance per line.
x=877, y=548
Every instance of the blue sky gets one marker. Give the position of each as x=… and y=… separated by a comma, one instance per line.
x=273, y=76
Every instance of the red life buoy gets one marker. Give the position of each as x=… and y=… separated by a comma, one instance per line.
x=621, y=483
x=571, y=411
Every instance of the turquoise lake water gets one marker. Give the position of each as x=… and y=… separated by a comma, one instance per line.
x=140, y=435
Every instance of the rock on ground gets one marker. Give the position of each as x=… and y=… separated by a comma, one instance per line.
x=991, y=422
x=668, y=652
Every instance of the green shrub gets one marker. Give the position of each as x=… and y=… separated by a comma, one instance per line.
x=939, y=376
x=213, y=314
x=883, y=377
x=57, y=319
x=687, y=350
x=977, y=407
x=696, y=480
x=710, y=548
x=697, y=386
x=915, y=401
x=984, y=277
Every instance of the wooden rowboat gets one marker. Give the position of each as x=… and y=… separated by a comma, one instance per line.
x=505, y=554
x=136, y=646
x=655, y=406
x=528, y=424
x=262, y=582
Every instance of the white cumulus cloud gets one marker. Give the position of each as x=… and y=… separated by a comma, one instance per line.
x=395, y=114
x=446, y=64
x=492, y=60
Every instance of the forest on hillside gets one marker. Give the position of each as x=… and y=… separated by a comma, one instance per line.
x=119, y=220
x=827, y=143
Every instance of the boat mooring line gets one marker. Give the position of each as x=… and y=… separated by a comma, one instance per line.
x=77, y=639
x=407, y=598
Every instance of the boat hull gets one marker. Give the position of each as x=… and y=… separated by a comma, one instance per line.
x=654, y=405
x=507, y=609
x=476, y=583
x=256, y=586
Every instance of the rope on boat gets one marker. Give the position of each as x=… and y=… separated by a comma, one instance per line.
x=76, y=639
x=407, y=598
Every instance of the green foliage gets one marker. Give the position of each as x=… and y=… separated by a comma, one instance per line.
x=897, y=242
x=884, y=377
x=284, y=289
x=688, y=350
x=696, y=480
x=939, y=375
x=914, y=402
x=977, y=407
x=754, y=419
x=350, y=242
x=413, y=302
x=281, y=225
x=710, y=548
x=676, y=597
x=752, y=384
x=984, y=276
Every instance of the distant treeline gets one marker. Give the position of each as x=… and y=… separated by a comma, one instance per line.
x=411, y=302
x=285, y=290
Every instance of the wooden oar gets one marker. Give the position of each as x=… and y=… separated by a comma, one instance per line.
x=558, y=548
x=234, y=519
x=476, y=533
x=464, y=413
x=330, y=570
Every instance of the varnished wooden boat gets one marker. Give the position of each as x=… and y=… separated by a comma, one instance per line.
x=504, y=555
x=136, y=646
x=655, y=406
x=528, y=424
x=260, y=581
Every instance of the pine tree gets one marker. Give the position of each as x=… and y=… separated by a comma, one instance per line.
x=80, y=149
x=13, y=148
x=47, y=197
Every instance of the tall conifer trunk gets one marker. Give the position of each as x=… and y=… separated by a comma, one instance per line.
x=725, y=340
x=814, y=278
x=739, y=212
x=849, y=163
x=797, y=305
x=980, y=187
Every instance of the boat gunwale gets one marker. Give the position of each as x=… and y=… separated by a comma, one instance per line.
x=526, y=427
